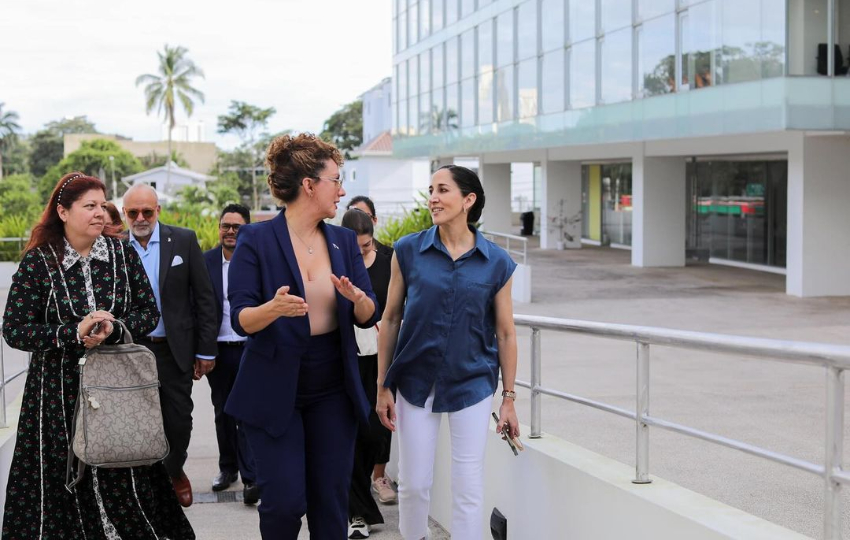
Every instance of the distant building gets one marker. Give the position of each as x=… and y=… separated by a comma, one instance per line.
x=200, y=156
x=391, y=183
x=169, y=185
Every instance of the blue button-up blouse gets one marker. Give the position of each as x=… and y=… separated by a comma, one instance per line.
x=447, y=339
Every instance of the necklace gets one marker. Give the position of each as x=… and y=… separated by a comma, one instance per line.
x=309, y=248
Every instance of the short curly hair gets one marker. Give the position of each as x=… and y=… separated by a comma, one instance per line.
x=293, y=158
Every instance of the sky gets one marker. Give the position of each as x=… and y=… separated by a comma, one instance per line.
x=305, y=58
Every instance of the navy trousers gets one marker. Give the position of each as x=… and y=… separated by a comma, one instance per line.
x=308, y=468
x=234, y=454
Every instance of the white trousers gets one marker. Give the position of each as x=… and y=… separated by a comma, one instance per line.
x=417, y=430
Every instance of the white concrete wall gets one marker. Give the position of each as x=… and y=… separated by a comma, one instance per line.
x=557, y=490
x=658, y=197
x=496, y=179
x=818, y=219
x=392, y=184
x=561, y=181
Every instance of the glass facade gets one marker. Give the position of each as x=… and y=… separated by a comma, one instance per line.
x=738, y=210
x=607, y=203
x=545, y=57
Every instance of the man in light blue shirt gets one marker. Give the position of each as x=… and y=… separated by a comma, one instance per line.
x=184, y=341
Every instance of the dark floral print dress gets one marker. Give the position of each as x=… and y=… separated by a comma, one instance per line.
x=47, y=300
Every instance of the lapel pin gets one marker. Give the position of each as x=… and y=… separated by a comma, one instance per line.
x=334, y=245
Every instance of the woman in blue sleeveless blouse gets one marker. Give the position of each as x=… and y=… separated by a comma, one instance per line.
x=452, y=289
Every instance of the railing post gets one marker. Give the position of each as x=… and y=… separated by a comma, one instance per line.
x=536, y=398
x=642, y=411
x=834, y=452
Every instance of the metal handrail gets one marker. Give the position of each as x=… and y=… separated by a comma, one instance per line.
x=4, y=381
x=834, y=358
x=521, y=253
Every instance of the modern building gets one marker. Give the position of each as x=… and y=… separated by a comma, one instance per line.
x=679, y=129
x=392, y=183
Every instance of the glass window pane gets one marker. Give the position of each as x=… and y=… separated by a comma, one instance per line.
x=582, y=21
x=402, y=81
x=413, y=24
x=617, y=203
x=425, y=72
x=396, y=79
x=451, y=12
x=552, y=74
x=700, y=38
x=505, y=94
x=771, y=45
x=413, y=114
x=467, y=102
x=395, y=35
x=402, y=117
x=505, y=38
x=657, y=56
x=616, y=14
x=402, y=31
x=437, y=12
x=485, y=46
x=617, y=66
x=527, y=30
x=466, y=7
x=552, y=24
x=527, y=87
x=438, y=110
x=451, y=60
x=467, y=53
x=485, y=98
x=424, y=18
x=740, y=30
x=452, y=107
x=652, y=8
x=437, y=74
x=424, y=113
x=413, y=76
x=583, y=74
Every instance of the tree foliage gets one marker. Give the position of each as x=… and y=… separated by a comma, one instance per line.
x=90, y=158
x=246, y=121
x=345, y=128
x=9, y=129
x=17, y=197
x=48, y=144
x=414, y=220
x=154, y=160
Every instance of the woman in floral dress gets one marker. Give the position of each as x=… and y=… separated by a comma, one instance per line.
x=71, y=285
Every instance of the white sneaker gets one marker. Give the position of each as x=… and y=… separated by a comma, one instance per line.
x=384, y=490
x=358, y=528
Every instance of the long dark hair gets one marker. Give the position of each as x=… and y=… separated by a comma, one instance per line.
x=358, y=221
x=50, y=230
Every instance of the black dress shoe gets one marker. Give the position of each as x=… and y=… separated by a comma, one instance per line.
x=223, y=481
x=250, y=493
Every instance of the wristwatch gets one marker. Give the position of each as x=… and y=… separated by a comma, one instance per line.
x=509, y=394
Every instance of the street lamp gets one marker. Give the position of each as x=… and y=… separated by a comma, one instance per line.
x=114, y=185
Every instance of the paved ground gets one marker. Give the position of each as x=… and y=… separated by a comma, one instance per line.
x=775, y=405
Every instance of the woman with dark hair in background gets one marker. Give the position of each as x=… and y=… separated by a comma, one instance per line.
x=74, y=281
x=452, y=288
x=298, y=392
x=364, y=203
x=114, y=225
x=373, y=444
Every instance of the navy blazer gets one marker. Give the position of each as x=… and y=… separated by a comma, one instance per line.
x=265, y=388
x=213, y=259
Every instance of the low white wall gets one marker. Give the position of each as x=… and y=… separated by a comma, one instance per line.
x=521, y=290
x=555, y=489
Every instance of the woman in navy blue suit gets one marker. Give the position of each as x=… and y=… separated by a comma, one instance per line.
x=297, y=285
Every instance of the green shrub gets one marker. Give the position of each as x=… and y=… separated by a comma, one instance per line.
x=17, y=226
x=414, y=220
x=205, y=224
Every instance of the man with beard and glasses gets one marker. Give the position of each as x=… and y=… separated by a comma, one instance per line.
x=184, y=341
x=234, y=454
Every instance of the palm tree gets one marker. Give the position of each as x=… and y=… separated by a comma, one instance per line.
x=8, y=131
x=173, y=83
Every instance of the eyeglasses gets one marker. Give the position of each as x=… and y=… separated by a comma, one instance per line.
x=229, y=227
x=338, y=181
x=133, y=213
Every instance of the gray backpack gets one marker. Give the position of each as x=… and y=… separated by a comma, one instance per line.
x=117, y=419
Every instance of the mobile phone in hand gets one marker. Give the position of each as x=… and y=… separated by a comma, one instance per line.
x=506, y=435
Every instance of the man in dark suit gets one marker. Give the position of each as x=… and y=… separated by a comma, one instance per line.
x=184, y=341
x=234, y=454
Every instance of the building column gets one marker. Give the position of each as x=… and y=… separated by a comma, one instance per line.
x=561, y=182
x=818, y=241
x=658, y=222
x=496, y=178
x=436, y=163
